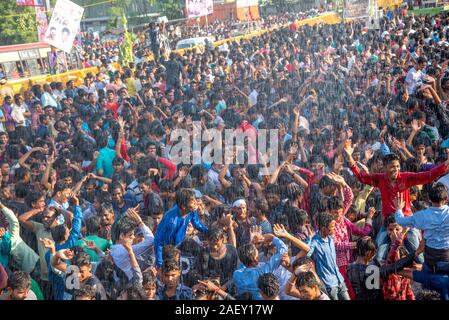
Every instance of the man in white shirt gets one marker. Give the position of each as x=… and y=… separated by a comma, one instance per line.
x=415, y=76
x=253, y=95
x=47, y=98
x=125, y=230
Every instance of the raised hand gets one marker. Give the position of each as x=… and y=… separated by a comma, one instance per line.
x=416, y=126
x=48, y=243
x=133, y=213
x=209, y=285
x=399, y=202
x=255, y=231
x=371, y=213
x=66, y=254
x=75, y=199
x=279, y=231
x=90, y=245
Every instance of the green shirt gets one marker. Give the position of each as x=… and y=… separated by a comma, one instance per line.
x=41, y=233
x=104, y=162
x=37, y=290
x=101, y=243
x=5, y=249
x=22, y=254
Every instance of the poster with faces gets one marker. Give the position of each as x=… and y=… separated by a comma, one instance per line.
x=64, y=25
x=199, y=8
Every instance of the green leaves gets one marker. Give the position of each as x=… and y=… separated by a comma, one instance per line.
x=17, y=24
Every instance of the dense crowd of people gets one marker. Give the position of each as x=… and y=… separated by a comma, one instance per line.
x=93, y=205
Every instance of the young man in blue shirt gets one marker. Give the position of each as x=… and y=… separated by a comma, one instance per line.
x=246, y=278
x=173, y=226
x=434, y=221
x=322, y=250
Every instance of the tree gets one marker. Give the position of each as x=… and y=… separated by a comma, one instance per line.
x=126, y=47
x=173, y=9
x=17, y=24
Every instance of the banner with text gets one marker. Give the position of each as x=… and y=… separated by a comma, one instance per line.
x=355, y=9
x=30, y=3
x=199, y=8
x=64, y=25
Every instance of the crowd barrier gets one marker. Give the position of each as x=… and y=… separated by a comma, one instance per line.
x=21, y=85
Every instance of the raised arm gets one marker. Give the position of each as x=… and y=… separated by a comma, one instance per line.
x=222, y=175
x=419, y=178
x=46, y=175
x=198, y=224
x=76, y=225
x=13, y=222
x=148, y=238
x=24, y=158
x=24, y=219
x=280, y=231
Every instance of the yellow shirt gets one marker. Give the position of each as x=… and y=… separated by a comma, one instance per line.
x=131, y=87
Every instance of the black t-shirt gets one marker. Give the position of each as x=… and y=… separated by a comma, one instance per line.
x=173, y=69
x=224, y=267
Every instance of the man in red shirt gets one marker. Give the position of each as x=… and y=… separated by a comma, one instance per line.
x=392, y=182
x=112, y=103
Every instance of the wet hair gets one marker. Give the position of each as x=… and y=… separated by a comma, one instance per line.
x=389, y=158
x=335, y=203
x=438, y=193
x=135, y=291
x=306, y=279
x=148, y=279
x=293, y=191
x=302, y=261
x=93, y=225
x=296, y=217
x=272, y=188
x=19, y=280
x=122, y=226
x=183, y=196
x=60, y=186
x=325, y=181
x=269, y=285
x=324, y=219
x=220, y=212
x=170, y=265
x=389, y=220
x=21, y=190
x=247, y=252
x=58, y=233
x=85, y=291
x=170, y=252
x=365, y=245
x=262, y=206
x=82, y=259
x=215, y=234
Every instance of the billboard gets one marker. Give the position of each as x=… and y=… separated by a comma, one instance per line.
x=355, y=9
x=64, y=25
x=30, y=3
x=246, y=3
x=199, y=8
